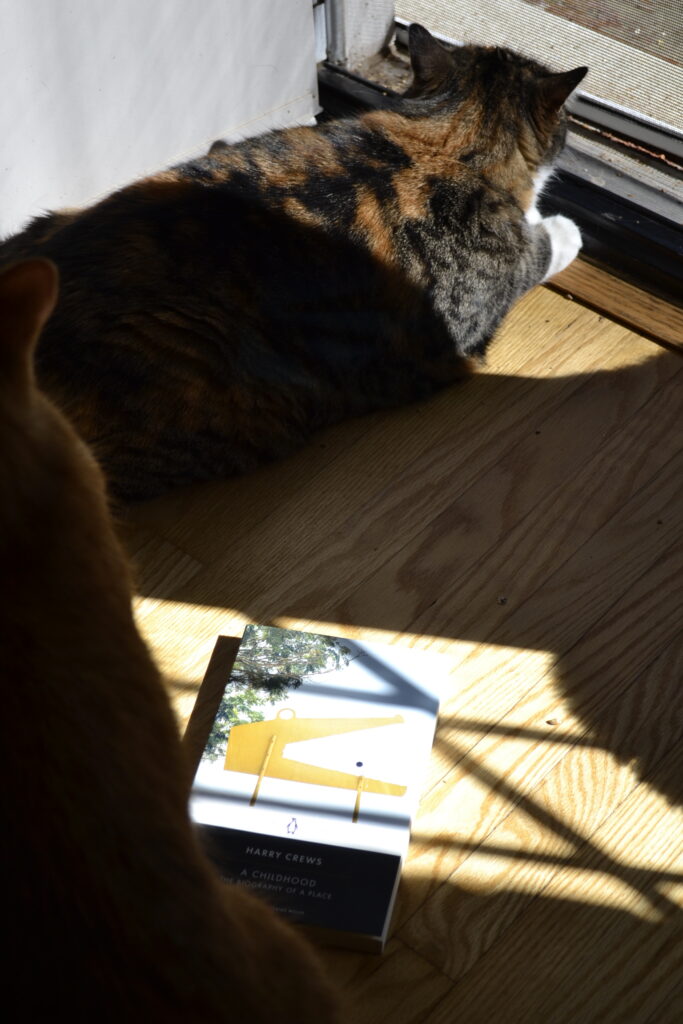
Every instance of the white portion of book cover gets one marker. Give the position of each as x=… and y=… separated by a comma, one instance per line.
x=340, y=759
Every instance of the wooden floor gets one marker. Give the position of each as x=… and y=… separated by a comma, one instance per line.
x=528, y=524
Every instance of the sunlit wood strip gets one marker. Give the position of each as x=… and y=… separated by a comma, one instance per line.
x=622, y=300
x=489, y=779
x=553, y=833
x=585, y=952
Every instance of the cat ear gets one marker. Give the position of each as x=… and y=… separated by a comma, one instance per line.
x=553, y=90
x=28, y=292
x=431, y=63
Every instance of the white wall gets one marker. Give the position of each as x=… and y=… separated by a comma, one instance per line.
x=94, y=93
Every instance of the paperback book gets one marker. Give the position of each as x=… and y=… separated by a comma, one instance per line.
x=312, y=773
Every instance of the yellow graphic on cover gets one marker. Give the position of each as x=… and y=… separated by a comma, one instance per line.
x=257, y=748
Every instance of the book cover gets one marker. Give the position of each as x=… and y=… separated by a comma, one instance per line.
x=312, y=772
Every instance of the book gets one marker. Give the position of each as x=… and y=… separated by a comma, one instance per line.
x=312, y=772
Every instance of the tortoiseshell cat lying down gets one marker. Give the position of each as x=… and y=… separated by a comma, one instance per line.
x=212, y=316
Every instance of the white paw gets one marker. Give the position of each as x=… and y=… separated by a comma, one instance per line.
x=565, y=243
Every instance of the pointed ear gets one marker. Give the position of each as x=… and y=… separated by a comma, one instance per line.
x=28, y=292
x=553, y=90
x=431, y=63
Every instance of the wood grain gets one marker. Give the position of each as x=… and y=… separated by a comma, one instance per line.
x=549, y=833
x=489, y=779
x=400, y=985
x=623, y=301
x=527, y=524
x=616, y=957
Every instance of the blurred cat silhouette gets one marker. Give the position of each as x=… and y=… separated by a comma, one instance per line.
x=114, y=911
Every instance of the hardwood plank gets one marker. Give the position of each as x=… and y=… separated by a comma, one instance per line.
x=158, y=568
x=551, y=833
x=158, y=565
x=496, y=541
x=531, y=556
x=181, y=636
x=672, y=1011
x=622, y=301
x=594, y=959
x=399, y=987
x=490, y=778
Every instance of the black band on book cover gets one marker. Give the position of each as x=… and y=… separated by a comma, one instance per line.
x=312, y=884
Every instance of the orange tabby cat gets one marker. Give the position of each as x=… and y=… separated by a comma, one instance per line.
x=114, y=913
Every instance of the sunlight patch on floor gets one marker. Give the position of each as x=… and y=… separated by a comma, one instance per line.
x=459, y=651
x=593, y=888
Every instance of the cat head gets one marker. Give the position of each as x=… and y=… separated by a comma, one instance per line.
x=512, y=96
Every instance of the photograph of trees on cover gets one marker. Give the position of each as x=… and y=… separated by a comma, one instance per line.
x=271, y=662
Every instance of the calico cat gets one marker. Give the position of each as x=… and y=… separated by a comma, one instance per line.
x=111, y=910
x=213, y=315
